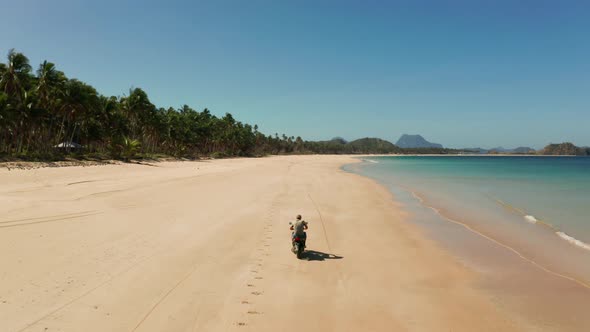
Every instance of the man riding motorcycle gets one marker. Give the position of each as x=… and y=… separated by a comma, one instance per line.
x=298, y=227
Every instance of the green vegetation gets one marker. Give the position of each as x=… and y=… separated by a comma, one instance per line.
x=359, y=146
x=432, y=150
x=565, y=149
x=46, y=115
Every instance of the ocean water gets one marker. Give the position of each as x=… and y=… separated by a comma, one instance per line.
x=536, y=207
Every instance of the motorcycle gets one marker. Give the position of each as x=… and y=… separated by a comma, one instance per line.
x=298, y=246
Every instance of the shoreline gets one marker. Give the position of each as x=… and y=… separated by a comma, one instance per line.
x=22, y=164
x=478, y=155
x=538, y=279
x=142, y=245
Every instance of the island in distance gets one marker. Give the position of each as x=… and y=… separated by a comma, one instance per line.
x=416, y=144
x=501, y=150
x=415, y=141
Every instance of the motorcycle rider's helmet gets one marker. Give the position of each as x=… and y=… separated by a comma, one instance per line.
x=298, y=217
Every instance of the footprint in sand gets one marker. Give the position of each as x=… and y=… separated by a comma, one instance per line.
x=258, y=278
x=256, y=293
x=241, y=323
x=254, y=312
x=250, y=285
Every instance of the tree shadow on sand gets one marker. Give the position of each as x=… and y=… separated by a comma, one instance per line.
x=312, y=255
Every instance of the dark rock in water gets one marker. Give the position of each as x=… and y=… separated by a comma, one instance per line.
x=415, y=141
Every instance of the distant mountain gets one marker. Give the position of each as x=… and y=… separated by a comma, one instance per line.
x=523, y=149
x=499, y=149
x=338, y=140
x=518, y=150
x=366, y=145
x=565, y=149
x=415, y=141
x=372, y=145
x=475, y=150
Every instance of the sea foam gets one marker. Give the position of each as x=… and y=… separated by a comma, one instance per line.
x=573, y=240
x=530, y=219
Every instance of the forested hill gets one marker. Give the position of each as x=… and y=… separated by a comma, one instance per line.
x=46, y=115
x=372, y=145
x=359, y=146
x=565, y=149
x=415, y=141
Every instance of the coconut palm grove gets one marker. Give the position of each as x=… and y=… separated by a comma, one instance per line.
x=45, y=115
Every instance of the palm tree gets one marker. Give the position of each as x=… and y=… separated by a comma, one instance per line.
x=79, y=99
x=14, y=81
x=50, y=82
x=15, y=75
x=37, y=112
x=49, y=91
x=130, y=148
x=5, y=123
x=135, y=106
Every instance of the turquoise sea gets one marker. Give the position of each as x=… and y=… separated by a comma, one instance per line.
x=537, y=206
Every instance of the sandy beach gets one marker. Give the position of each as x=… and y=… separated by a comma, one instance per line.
x=204, y=246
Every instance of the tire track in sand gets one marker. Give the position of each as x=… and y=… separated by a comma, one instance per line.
x=42, y=220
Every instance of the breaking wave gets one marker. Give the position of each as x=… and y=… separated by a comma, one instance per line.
x=531, y=219
x=573, y=240
x=562, y=235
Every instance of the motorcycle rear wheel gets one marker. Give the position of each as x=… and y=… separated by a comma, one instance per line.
x=300, y=251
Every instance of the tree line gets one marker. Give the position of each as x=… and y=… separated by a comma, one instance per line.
x=566, y=148
x=44, y=114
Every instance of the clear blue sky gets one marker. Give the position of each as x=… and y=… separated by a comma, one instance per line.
x=461, y=73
